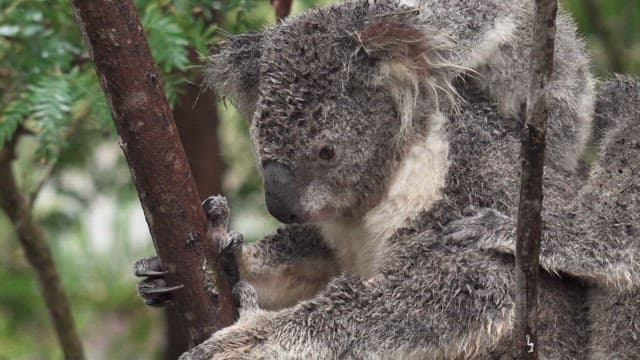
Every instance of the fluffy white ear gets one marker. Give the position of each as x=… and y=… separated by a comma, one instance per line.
x=410, y=62
x=233, y=70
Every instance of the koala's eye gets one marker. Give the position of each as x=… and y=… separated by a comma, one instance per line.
x=326, y=153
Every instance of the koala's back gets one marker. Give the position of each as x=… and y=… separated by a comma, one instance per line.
x=577, y=320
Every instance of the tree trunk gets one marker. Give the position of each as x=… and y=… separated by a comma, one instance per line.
x=157, y=161
x=197, y=122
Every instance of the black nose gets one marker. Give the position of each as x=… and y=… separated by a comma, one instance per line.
x=280, y=192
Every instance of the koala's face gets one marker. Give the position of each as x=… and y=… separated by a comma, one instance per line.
x=323, y=131
x=323, y=124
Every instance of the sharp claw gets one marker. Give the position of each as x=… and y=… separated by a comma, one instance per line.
x=158, y=290
x=149, y=273
x=234, y=242
x=216, y=210
x=150, y=266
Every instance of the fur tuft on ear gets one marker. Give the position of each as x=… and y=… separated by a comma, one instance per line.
x=411, y=62
x=233, y=71
x=397, y=41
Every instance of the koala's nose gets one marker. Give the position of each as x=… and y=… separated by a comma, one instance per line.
x=280, y=194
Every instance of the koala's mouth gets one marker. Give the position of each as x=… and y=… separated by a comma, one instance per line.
x=299, y=216
x=325, y=214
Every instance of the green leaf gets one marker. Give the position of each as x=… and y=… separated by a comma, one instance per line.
x=14, y=114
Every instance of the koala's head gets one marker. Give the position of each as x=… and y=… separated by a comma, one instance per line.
x=334, y=97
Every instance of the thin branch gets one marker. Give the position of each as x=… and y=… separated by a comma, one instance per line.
x=529, y=228
x=150, y=142
x=37, y=252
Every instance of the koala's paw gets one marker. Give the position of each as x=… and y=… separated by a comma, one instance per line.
x=231, y=249
x=153, y=289
x=486, y=228
x=217, y=211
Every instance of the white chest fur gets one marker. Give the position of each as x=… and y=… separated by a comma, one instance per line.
x=359, y=243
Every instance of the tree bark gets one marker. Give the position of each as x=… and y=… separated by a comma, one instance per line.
x=197, y=122
x=529, y=224
x=38, y=253
x=157, y=161
x=282, y=8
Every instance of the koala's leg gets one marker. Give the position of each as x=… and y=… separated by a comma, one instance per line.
x=614, y=324
x=291, y=265
x=433, y=301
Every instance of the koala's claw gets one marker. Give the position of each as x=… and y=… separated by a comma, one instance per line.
x=155, y=292
x=149, y=267
x=227, y=256
x=234, y=243
x=216, y=210
x=478, y=226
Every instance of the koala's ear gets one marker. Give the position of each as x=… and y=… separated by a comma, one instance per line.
x=233, y=71
x=409, y=61
x=399, y=43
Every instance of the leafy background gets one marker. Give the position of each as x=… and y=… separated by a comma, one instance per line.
x=87, y=205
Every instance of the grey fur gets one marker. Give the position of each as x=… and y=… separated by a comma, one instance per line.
x=344, y=76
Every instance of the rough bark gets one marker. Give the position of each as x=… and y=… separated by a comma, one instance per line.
x=197, y=122
x=282, y=8
x=529, y=227
x=157, y=161
x=18, y=209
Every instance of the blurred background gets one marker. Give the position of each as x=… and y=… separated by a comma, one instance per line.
x=54, y=119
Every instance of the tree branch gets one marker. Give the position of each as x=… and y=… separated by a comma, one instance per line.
x=529, y=228
x=37, y=252
x=157, y=161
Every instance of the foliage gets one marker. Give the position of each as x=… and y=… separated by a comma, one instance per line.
x=51, y=101
x=612, y=28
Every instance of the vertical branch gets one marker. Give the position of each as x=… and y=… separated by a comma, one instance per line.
x=529, y=228
x=282, y=8
x=157, y=161
x=19, y=211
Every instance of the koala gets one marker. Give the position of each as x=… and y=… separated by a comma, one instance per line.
x=375, y=126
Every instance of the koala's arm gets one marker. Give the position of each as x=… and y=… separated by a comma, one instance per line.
x=291, y=265
x=591, y=233
x=438, y=306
